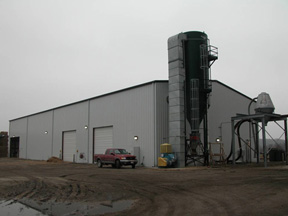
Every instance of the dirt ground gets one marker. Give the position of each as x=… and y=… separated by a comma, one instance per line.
x=223, y=190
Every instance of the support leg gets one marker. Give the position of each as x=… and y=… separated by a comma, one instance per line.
x=264, y=142
x=233, y=142
x=257, y=143
x=286, y=144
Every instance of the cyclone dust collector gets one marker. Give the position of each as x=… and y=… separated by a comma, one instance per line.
x=190, y=58
x=264, y=113
x=264, y=104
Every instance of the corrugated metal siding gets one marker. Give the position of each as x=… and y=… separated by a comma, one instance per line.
x=40, y=143
x=131, y=114
x=161, y=118
x=19, y=129
x=141, y=111
x=225, y=103
x=68, y=118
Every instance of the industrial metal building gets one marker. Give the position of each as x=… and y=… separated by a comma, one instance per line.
x=189, y=111
x=134, y=118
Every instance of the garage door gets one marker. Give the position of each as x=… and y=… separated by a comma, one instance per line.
x=103, y=139
x=69, y=146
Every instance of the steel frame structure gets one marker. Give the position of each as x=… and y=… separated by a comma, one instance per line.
x=264, y=119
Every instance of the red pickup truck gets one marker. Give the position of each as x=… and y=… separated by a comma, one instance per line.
x=117, y=157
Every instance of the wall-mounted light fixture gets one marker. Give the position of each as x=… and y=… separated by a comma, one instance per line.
x=218, y=140
x=85, y=127
x=46, y=132
x=135, y=137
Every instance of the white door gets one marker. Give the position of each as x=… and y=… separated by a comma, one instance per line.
x=69, y=146
x=103, y=139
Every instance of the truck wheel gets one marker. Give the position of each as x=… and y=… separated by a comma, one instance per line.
x=99, y=163
x=133, y=166
x=117, y=164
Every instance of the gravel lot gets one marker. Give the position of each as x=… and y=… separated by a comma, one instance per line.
x=224, y=190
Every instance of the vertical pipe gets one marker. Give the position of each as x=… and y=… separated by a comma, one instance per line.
x=156, y=153
x=251, y=127
x=62, y=148
x=249, y=151
x=27, y=125
x=286, y=144
x=88, y=134
x=52, y=133
x=9, y=141
x=206, y=157
x=264, y=141
x=185, y=119
x=233, y=142
x=257, y=143
x=246, y=152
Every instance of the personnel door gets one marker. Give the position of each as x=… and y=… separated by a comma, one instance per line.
x=14, y=147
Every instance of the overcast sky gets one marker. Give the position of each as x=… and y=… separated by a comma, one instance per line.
x=55, y=52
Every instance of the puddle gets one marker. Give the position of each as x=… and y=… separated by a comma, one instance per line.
x=15, y=208
x=27, y=207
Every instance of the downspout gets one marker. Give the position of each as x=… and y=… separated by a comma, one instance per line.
x=52, y=133
x=9, y=138
x=88, y=134
x=286, y=143
x=27, y=138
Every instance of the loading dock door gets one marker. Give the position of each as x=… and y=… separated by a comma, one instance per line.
x=69, y=146
x=103, y=139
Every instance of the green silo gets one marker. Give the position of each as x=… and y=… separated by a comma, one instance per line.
x=198, y=57
x=197, y=77
x=189, y=57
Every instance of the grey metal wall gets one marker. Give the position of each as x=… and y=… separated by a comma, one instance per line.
x=70, y=118
x=19, y=129
x=139, y=111
x=131, y=113
x=39, y=143
x=35, y=134
x=161, y=117
x=224, y=104
x=41, y=134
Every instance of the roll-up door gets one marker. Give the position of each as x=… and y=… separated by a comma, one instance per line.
x=69, y=146
x=103, y=139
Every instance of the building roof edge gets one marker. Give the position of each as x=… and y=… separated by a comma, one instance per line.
x=92, y=98
x=238, y=92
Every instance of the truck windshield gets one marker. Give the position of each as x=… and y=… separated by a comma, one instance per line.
x=120, y=151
